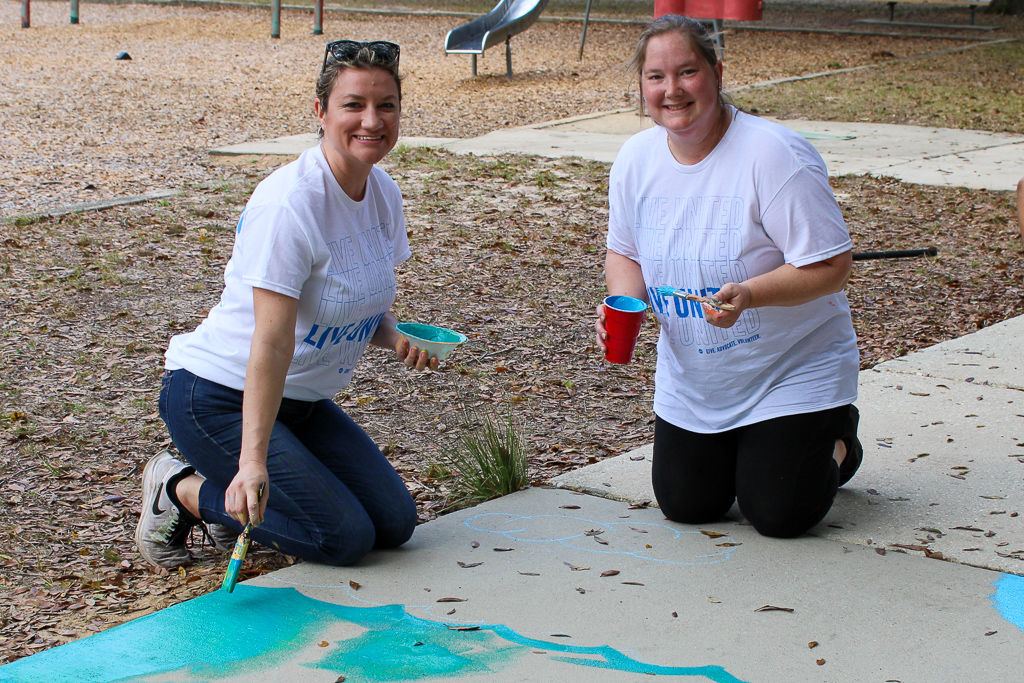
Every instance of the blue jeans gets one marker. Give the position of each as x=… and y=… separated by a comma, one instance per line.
x=332, y=494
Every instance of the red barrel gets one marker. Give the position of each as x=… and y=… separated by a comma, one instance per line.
x=749, y=10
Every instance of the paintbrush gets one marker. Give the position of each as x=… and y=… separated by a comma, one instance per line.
x=710, y=301
x=238, y=554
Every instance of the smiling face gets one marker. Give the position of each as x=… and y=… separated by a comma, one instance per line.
x=680, y=89
x=360, y=124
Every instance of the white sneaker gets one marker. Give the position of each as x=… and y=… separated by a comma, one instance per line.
x=163, y=527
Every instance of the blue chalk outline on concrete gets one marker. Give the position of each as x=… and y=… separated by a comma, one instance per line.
x=1009, y=599
x=721, y=556
x=223, y=635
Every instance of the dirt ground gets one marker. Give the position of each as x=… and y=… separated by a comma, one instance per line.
x=508, y=249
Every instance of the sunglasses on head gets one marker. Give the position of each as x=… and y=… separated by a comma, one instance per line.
x=346, y=50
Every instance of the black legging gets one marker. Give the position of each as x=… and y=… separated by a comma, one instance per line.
x=781, y=471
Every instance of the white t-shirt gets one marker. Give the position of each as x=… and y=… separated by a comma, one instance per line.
x=759, y=200
x=300, y=235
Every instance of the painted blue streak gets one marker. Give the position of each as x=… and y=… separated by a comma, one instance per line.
x=1009, y=599
x=258, y=629
x=613, y=659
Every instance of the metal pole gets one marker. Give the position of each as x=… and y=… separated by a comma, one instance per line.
x=26, y=14
x=508, y=57
x=899, y=253
x=318, y=18
x=474, y=64
x=583, y=36
x=74, y=11
x=275, y=19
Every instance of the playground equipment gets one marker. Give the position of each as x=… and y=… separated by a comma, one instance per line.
x=507, y=19
x=712, y=10
x=275, y=16
x=26, y=13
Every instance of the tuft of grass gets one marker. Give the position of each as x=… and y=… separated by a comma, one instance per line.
x=486, y=460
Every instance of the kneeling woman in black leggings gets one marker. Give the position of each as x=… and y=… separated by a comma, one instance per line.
x=753, y=394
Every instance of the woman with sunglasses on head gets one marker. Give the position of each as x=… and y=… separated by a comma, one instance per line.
x=247, y=397
x=753, y=395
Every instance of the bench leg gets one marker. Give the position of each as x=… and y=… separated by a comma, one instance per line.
x=973, y=7
x=474, y=64
x=892, y=11
x=508, y=57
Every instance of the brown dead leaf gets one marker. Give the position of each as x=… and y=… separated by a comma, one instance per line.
x=712, y=534
x=773, y=608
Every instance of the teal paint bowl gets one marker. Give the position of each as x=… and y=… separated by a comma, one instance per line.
x=436, y=341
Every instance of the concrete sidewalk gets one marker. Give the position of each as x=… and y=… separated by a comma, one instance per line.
x=927, y=156
x=550, y=585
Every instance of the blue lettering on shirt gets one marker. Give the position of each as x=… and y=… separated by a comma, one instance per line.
x=693, y=244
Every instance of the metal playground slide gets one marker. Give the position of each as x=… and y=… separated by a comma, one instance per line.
x=507, y=19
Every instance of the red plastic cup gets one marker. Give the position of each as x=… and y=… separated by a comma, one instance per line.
x=623, y=316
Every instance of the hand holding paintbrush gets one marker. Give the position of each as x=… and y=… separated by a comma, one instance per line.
x=707, y=300
x=238, y=554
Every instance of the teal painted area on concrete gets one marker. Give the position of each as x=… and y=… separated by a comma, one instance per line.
x=209, y=637
x=257, y=629
x=1009, y=599
x=400, y=647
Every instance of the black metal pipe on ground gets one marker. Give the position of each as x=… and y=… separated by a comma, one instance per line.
x=899, y=253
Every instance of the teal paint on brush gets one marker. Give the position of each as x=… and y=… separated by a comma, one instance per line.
x=258, y=629
x=241, y=548
x=237, y=557
x=1009, y=599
